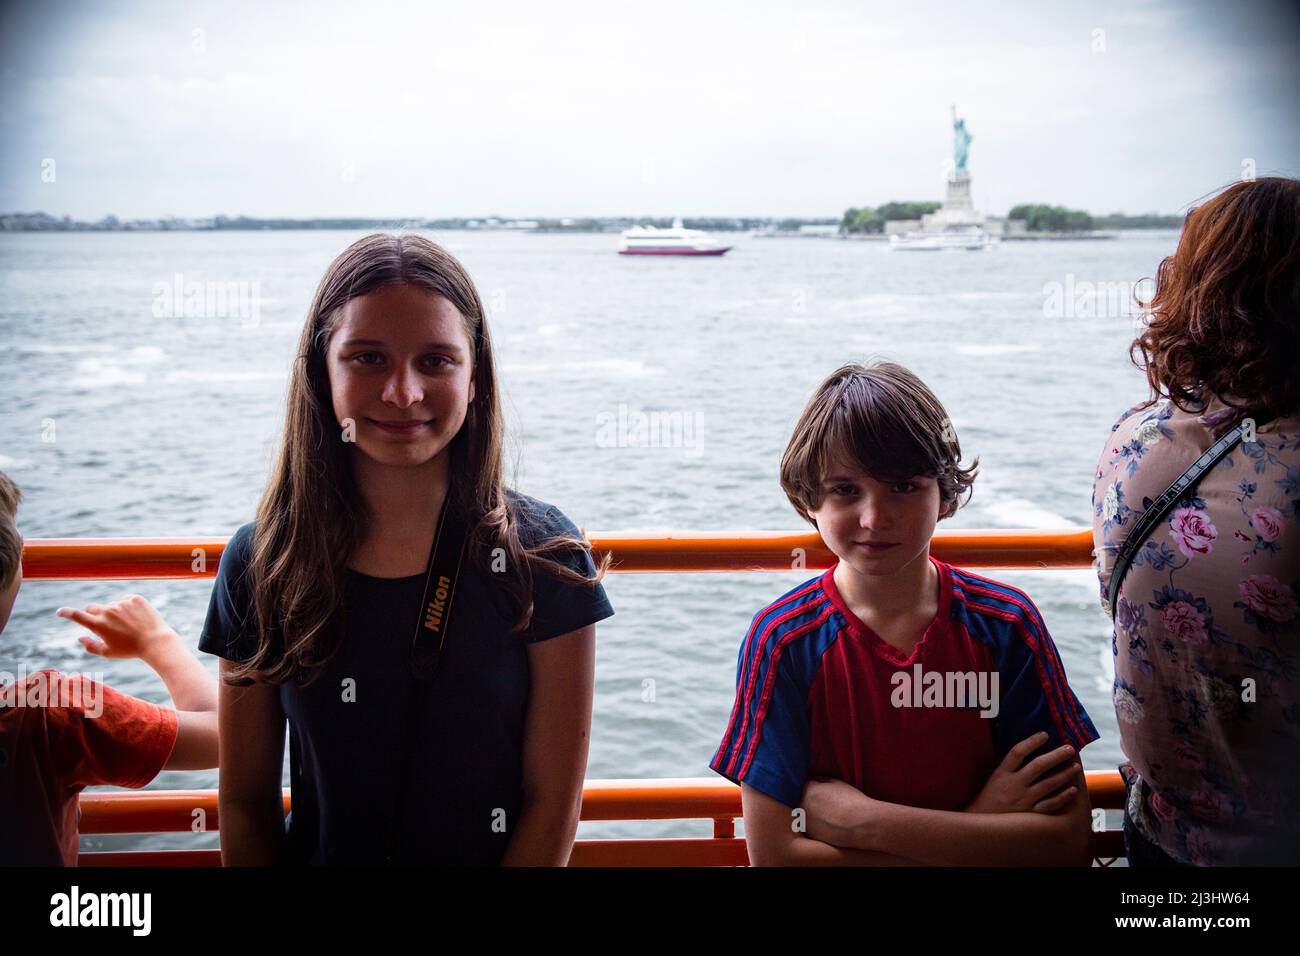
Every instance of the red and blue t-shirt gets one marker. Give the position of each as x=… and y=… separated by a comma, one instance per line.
x=818, y=694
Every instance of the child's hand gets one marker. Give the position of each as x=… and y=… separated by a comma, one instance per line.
x=126, y=628
x=1013, y=788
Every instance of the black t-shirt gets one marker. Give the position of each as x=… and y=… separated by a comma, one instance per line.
x=347, y=728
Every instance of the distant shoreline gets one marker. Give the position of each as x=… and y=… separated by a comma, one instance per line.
x=43, y=222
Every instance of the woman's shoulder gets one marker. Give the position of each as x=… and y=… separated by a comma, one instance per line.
x=1131, y=411
x=228, y=630
x=1142, y=411
x=236, y=556
x=1208, y=413
x=240, y=546
x=538, y=520
x=1152, y=428
x=561, y=605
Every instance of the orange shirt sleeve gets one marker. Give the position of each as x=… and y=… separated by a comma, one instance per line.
x=100, y=736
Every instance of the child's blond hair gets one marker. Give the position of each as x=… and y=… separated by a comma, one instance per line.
x=11, y=542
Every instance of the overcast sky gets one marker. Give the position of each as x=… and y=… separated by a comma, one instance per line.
x=696, y=108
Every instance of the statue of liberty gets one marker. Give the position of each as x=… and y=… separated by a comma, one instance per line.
x=960, y=142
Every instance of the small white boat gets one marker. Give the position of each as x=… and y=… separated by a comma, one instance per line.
x=677, y=241
x=951, y=239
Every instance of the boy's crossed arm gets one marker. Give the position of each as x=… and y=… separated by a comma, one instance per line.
x=774, y=837
x=1022, y=817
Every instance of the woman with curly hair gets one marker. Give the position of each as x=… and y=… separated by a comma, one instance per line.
x=1207, y=615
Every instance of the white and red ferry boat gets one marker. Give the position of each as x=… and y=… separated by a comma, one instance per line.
x=677, y=241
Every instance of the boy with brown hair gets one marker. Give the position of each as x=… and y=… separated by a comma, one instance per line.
x=887, y=710
x=61, y=733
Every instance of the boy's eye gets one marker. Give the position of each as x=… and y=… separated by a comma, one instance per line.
x=844, y=489
x=904, y=486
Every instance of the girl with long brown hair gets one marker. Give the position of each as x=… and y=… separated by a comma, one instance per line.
x=427, y=632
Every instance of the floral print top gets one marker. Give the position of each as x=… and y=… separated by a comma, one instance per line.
x=1207, y=633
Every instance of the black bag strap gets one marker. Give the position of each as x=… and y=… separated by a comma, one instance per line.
x=432, y=628
x=1182, y=486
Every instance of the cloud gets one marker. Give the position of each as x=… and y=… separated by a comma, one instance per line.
x=585, y=108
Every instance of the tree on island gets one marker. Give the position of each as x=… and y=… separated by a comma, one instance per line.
x=871, y=220
x=1150, y=220
x=1040, y=217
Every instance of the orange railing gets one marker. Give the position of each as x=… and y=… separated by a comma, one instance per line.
x=167, y=811
x=173, y=811
x=121, y=558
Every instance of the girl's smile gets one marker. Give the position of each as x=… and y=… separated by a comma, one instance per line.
x=399, y=427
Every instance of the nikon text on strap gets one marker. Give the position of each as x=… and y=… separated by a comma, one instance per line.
x=440, y=578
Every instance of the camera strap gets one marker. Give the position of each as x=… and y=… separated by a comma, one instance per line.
x=432, y=628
